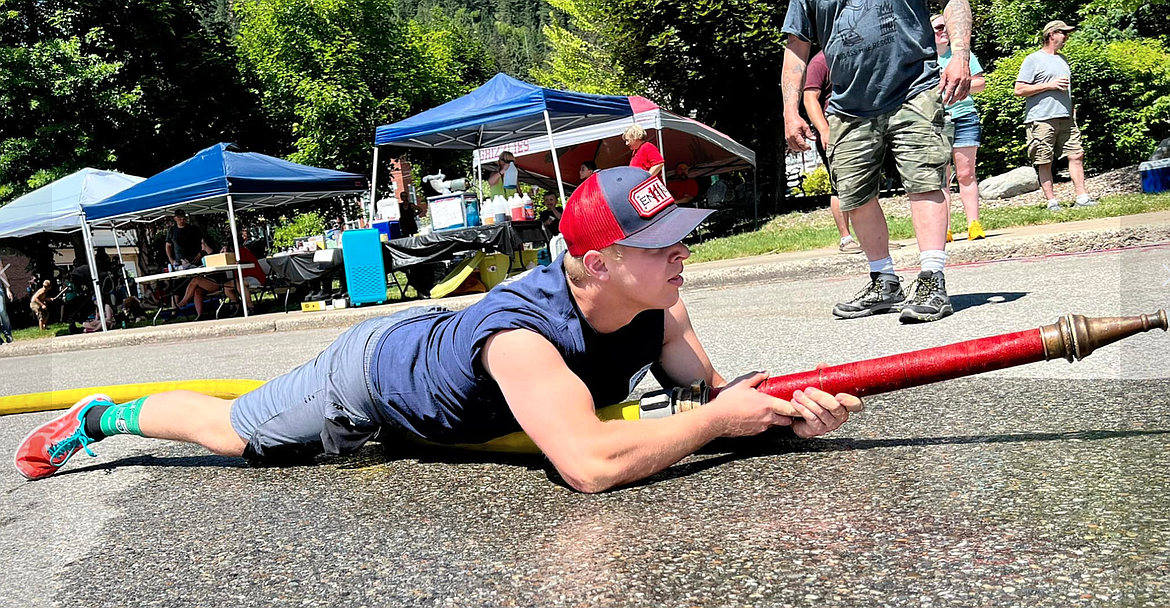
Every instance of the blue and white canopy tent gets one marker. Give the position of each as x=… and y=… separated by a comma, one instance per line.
x=60, y=208
x=501, y=111
x=222, y=179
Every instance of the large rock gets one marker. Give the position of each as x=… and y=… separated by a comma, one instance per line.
x=1013, y=183
x=1162, y=151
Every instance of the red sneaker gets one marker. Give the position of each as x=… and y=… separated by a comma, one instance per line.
x=49, y=446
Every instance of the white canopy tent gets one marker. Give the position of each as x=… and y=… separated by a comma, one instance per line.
x=680, y=139
x=60, y=207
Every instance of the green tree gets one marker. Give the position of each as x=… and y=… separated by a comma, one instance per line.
x=304, y=224
x=62, y=106
x=509, y=31
x=132, y=85
x=577, y=59
x=332, y=70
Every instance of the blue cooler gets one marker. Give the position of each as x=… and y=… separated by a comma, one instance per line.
x=1155, y=175
x=365, y=274
x=388, y=230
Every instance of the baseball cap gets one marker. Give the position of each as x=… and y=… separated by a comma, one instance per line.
x=627, y=206
x=1053, y=26
x=179, y=213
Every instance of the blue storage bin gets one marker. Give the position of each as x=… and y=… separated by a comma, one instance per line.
x=365, y=274
x=1155, y=175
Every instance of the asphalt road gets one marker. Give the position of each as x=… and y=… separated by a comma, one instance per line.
x=1044, y=485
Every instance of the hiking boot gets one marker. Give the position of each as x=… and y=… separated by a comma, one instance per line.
x=929, y=301
x=49, y=446
x=975, y=231
x=883, y=294
x=1085, y=200
x=851, y=247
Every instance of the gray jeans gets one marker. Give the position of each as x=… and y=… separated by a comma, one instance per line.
x=322, y=407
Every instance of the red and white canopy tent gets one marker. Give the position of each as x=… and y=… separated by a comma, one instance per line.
x=680, y=139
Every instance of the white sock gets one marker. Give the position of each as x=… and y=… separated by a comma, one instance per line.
x=934, y=261
x=848, y=238
x=883, y=266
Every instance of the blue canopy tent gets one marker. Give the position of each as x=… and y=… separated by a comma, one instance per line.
x=221, y=179
x=501, y=111
x=60, y=207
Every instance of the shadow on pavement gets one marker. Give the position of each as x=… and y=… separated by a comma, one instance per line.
x=720, y=452
x=762, y=446
x=964, y=301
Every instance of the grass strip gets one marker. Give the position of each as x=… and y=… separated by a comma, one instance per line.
x=789, y=232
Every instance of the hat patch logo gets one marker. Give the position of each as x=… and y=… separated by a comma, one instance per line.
x=650, y=197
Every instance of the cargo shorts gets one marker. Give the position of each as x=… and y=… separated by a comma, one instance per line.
x=1054, y=138
x=913, y=134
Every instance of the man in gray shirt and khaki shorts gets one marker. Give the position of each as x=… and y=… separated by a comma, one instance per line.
x=1045, y=80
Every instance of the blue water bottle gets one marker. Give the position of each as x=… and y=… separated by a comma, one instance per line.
x=472, y=212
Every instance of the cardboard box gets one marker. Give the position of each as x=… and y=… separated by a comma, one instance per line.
x=313, y=306
x=219, y=259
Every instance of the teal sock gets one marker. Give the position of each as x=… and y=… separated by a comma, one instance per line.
x=122, y=419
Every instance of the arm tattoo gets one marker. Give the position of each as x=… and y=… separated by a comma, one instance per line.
x=958, y=19
x=792, y=82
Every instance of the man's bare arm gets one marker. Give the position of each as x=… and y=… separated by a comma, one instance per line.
x=556, y=410
x=796, y=130
x=955, y=80
x=816, y=114
x=683, y=358
x=1025, y=89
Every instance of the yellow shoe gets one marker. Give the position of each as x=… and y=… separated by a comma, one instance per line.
x=950, y=236
x=975, y=231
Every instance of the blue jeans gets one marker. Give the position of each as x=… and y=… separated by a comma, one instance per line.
x=965, y=131
x=5, y=323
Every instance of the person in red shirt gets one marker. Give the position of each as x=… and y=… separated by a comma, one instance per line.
x=646, y=156
x=682, y=187
x=817, y=89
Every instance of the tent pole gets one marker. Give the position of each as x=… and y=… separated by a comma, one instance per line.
x=662, y=152
x=373, y=188
x=552, y=147
x=93, y=272
x=236, y=244
x=755, y=199
x=478, y=177
x=121, y=260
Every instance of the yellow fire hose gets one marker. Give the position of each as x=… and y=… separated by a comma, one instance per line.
x=514, y=443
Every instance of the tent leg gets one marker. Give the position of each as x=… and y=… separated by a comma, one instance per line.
x=93, y=273
x=662, y=152
x=755, y=201
x=373, y=187
x=552, y=147
x=121, y=260
x=478, y=177
x=236, y=244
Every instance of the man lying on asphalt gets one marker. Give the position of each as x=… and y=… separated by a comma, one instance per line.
x=538, y=354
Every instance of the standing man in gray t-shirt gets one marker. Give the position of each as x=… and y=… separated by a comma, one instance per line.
x=1045, y=79
x=886, y=97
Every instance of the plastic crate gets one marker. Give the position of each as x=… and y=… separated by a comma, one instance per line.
x=365, y=274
